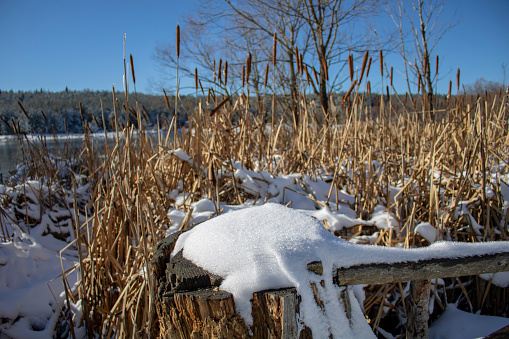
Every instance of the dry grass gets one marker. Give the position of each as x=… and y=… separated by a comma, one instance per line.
x=443, y=159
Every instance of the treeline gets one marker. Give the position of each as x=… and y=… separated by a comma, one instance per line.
x=69, y=111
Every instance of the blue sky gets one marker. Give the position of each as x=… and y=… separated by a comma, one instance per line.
x=79, y=44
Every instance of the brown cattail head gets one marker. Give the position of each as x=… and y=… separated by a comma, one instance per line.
x=266, y=75
x=350, y=66
x=324, y=64
x=364, y=62
x=274, y=50
x=315, y=73
x=243, y=75
x=450, y=87
x=132, y=68
x=214, y=70
x=345, y=98
x=219, y=70
x=248, y=66
x=381, y=64
x=458, y=79
x=301, y=65
x=178, y=41
x=308, y=77
x=201, y=87
x=225, y=72
x=369, y=87
x=391, y=74
x=196, y=78
x=297, y=59
x=166, y=100
x=369, y=66
x=436, y=68
x=419, y=83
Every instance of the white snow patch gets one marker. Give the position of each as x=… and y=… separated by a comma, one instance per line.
x=458, y=324
x=268, y=247
x=427, y=231
x=500, y=279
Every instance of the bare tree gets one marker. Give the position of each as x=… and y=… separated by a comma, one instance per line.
x=420, y=29
x=314, y=34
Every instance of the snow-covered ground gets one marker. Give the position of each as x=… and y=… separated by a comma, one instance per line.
x=255, y=246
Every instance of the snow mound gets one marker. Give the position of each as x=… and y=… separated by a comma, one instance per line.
x=268, y=247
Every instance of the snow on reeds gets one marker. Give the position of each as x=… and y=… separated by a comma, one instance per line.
x=383, y=174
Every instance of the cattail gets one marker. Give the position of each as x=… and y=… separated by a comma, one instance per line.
x=201, y=87
x=381, y=64
x=266, y=75
x=349, y=90
x=225, y=72
x=308, y=77
x=458, y=79
x=196, y=78
x=219, y=70
x=315, y=73
x=132, y=68
x=436, y=69
x=364, y=62
x=25, y=112
x=324, y=64
x=214, y=70
x=391, y=74
x=387, y=89
x=178, y=41
x=406, y=96
x=248, y=67
x=166, y=100
x=297, y=59
x=301, y=65
x=274, y=52
x=419, y=83
x=369, y=87
x=350, y=65
x=44, y=116
x=450, y=86
x=369, y=66
x=243, y=75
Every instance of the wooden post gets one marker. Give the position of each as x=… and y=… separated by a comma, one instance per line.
x=417, y=307
x=187, y=303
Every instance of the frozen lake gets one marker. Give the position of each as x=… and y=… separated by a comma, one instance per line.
x=11, y=148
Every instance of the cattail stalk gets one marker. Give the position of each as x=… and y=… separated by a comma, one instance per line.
x=381, y=64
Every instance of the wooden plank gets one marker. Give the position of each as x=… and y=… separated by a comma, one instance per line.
x=422, y=270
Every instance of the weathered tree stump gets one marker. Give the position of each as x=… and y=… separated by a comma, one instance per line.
x=187, y=303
